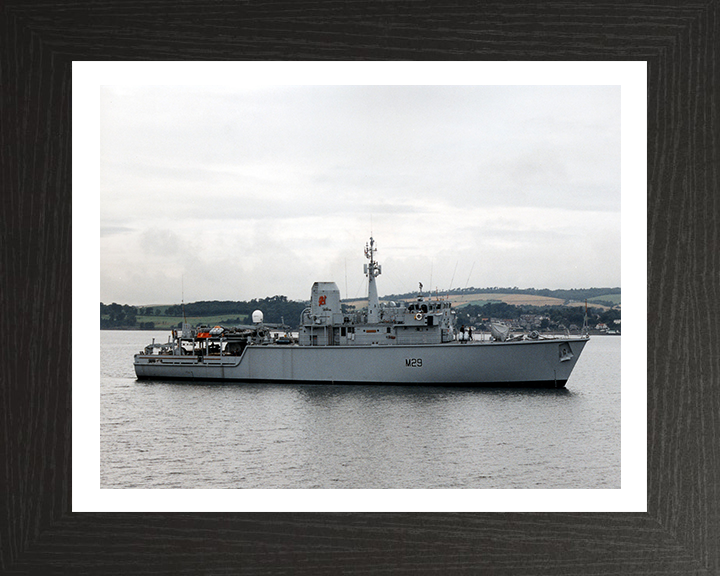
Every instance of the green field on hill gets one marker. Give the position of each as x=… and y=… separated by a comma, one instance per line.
x=614, y=298
x=476, y=303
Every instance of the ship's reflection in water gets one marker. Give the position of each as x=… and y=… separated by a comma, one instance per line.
x=170, y=435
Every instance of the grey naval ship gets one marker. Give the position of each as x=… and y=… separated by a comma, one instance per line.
x=408, y=343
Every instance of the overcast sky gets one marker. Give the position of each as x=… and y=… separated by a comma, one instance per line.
x=243, y=193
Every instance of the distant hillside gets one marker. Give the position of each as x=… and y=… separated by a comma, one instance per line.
x=568, y=294
x=605, y=297
x=278, y=309
x=610, y=298
x=275, y=310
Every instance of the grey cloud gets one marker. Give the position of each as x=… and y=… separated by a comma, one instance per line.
x=260, y=170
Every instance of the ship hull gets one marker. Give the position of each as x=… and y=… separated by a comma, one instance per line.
x=536, y=363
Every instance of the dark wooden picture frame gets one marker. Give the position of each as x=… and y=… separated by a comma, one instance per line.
x=681, y=530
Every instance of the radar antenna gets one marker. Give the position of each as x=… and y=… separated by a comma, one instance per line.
x=373, y=267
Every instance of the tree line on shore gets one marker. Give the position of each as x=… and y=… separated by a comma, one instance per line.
x=278, y=309
x=539, y=317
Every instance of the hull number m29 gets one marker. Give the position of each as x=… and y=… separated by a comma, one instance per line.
x=413, y=362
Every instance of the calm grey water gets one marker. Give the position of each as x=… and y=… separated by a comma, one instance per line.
x=179, y=435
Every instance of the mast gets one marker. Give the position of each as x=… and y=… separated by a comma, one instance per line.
x=372, y=271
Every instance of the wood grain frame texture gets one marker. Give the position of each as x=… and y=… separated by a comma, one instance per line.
x=681, y=530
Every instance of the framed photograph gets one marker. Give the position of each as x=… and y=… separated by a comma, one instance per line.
x=665, y=520
x=255, y=187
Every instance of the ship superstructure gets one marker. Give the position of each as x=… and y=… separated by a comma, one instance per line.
x=425, y=321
